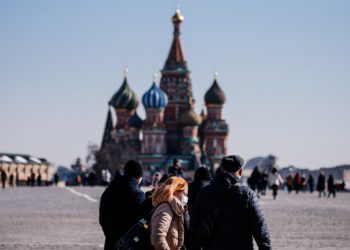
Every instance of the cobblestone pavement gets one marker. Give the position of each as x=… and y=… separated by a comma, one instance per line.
x=55, y=218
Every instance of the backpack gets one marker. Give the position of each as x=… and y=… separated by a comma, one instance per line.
x=205, y=231
x=138, y=236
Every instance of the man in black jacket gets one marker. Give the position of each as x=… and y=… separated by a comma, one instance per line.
x=122, y=203
x=240, y=219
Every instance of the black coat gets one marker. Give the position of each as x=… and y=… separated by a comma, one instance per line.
x=241, y=216
x=122, y=205
x=193, y=191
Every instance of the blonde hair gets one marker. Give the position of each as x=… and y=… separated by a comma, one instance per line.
x=165, y=192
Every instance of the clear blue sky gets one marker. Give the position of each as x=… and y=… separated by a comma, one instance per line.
x=284, y=66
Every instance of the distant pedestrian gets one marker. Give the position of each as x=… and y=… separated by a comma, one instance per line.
x=176, y=169
x=91, y=179
x=330, y=186
x=311, y=183
x=254, y=180
x=264, y=182
x=275, y=181
x=155, y=179
x=321, y=184
x=39, y=179
x=56, y=178
x=12, y=180
x=202, y=178
x=289, y=181
x=3, y=178
x=122, y=204
x=297, y=182
x=168, y=220
x=32, y=179
x=303, y=183
x=230, y=211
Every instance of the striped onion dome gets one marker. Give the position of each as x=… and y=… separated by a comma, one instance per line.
x=125, y=98
x=154, y=98
x=189, y=118
x=135, y=121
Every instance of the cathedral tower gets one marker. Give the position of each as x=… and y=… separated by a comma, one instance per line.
x=214, y=128
x=176, y=83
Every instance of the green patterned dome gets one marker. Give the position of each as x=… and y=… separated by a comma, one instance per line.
x=125, y=98
x=189, y=118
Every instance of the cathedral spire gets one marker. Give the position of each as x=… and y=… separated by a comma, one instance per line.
x=176, y=58
x=107, y=134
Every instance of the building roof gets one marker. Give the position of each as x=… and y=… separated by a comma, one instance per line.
x=21, y=158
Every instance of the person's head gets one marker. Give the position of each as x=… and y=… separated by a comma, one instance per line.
x=176, y=163
x=172, y=187
x=232, y=164
x=156, y=178
x=274, y=170
x=134, y=169
x=202, y=174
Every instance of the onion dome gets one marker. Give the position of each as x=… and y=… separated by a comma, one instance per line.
x=154, y=98
x=135, y=121
x=189, y=118
x=125, y=98
x=215, y=95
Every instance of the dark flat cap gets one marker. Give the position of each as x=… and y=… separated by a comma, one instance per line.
x=232, y=163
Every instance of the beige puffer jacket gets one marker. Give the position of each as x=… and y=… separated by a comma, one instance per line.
x=167, y=226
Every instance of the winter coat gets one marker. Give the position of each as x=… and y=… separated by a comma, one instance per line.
x=321, y=182
x=122, y=205
x=275, y=179
x=241, y=218
x=167, y=226
x=193, y=191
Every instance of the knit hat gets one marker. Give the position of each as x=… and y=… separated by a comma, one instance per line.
x=133, y=168
x=232, y=163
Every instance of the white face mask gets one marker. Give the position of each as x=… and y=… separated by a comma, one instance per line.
x=184, y=200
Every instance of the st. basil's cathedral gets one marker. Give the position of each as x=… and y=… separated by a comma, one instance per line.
x=171, y=129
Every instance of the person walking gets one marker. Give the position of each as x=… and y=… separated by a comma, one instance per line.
x=3, y=178
x=167, y=222
x=321, y=184
x=330, y=186
x=264, y=182
x=202, y=178
x=311, y=183
x=297, y=182
x=254, y=180
x=289, y=183
x=176, y=169
x=240, y=218
x=122, y=203
x=275, y=181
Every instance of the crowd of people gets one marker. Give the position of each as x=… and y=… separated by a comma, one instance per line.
x=212, y=212
x=259, y=182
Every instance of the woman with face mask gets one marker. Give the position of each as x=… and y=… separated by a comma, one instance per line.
x=167, y=222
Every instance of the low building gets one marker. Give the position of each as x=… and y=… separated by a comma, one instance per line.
x=16, y=169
